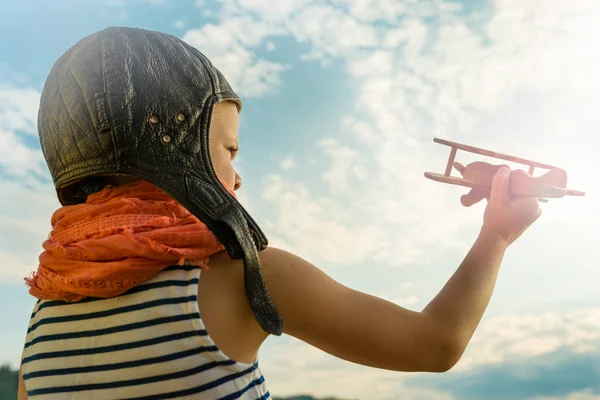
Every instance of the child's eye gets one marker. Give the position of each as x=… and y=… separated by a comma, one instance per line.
x=233, y=150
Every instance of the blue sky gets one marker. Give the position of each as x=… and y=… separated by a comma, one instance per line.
x=342, y=101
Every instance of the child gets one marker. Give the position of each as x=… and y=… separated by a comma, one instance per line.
x=139, y=131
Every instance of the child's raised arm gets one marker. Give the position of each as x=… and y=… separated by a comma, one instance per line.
x=368, y=330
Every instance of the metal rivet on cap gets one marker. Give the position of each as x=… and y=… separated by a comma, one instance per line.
x=166, y=138
x=180, y=117
x=153, y=119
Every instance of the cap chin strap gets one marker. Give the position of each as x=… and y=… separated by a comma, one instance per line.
x=264, y=310
x=212, y=204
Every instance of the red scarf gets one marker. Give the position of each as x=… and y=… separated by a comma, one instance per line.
x=118, y=239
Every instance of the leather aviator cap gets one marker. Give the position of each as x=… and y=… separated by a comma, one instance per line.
x=138, y=102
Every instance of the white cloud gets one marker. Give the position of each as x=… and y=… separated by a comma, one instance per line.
x=489, y=82
x=18, y=117
x=25, y=214
x=268, y=11
x=376, y=10
x=317, y=228
x=288, y=163
x=298, y=368
x=331, y=31
x=17, y=159
x=292, y=365
x=229, y=47
x=345, y=166
x=26, y=203
x=18, y=108
x=514, y=337
x=407, y=302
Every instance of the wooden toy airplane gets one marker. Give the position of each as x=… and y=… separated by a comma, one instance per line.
x=479, y=175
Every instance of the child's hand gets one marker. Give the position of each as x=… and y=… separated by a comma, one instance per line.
x=479, y=172
x=505, y=216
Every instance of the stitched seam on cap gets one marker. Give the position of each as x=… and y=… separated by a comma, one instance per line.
x=108, y=112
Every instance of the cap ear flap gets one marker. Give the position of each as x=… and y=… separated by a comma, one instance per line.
x=257, y=293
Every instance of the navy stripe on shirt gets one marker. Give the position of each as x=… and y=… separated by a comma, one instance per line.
x=147, y=380
x=115, y=329
x=197, y=389
x=114, y=311
x=125, y=364
x=136, y=289
x=116, y=347
x=239, y=393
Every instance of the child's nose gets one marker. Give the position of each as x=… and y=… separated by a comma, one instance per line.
x=238, y=182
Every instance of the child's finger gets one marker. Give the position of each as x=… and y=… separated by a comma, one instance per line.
x=473, y=197
x=500, y=184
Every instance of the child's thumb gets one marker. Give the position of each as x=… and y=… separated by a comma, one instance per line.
x=500, y=184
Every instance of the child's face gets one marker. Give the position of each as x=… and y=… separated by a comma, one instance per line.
x=224, y=143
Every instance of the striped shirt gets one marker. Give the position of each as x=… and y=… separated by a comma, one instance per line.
x=149, y=343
